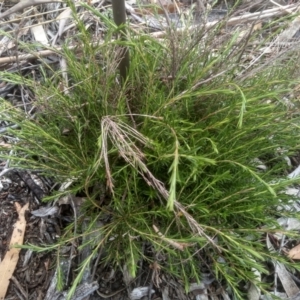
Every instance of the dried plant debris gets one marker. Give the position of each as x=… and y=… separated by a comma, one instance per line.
x=54, y=21
x=10, y=259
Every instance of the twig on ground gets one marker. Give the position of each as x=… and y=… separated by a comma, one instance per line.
x=23, y=4
x=274, y=12
x=245, y=18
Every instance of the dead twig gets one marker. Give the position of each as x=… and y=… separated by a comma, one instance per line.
x=268, y=13
x=274, y=12
x=29, y=56
x=24, y=4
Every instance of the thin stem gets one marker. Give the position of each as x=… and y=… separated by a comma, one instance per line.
x=119, y=14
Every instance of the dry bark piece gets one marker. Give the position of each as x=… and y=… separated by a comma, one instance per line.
x=294, y=253
x=288, y=283
x=9, y=263
x=36, y=190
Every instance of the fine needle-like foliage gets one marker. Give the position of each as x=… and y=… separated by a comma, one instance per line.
x=171, y=157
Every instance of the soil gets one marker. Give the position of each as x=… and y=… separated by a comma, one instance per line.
x=34, y=270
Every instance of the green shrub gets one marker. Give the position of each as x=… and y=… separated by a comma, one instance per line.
x=170, y=157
